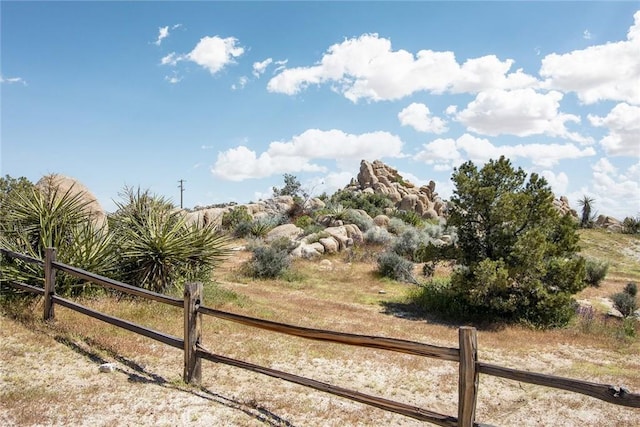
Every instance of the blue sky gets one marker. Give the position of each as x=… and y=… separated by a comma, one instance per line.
x=229, y=96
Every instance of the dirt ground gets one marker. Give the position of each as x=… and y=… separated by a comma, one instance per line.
x=49, y=374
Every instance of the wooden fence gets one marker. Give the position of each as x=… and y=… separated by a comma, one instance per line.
x=465, y=355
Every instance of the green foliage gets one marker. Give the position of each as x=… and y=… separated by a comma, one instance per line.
x=378, y=236
x=372, y=203
x=397, y=226
x=409, y=242
x=595, y=271
x=269, y=261
x=9, y=185
x=157, y=249
x=292, y=187
x=357, y=217
x=395, y=267
x=36, y=219
x=631, y=225
x=261, y=227
x=437, y=297
x=409, y=217
x=625, y=303
x=304, y=221
x=587, y=217
x=235, y=216
x=516, y=252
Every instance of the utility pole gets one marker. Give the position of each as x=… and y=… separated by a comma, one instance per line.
x=181, y=187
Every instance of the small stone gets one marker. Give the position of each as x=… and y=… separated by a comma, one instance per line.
x=107, y=367
x=382, y=291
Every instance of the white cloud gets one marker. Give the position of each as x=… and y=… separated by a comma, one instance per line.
x=171, y=59
x=214, y=53
x=586, y=35
x=447, y=153
x=419, y=117
x=242, y=82
x=173, y=79
x=601, y=72
x=521, y=112
x=163, y=33
x=559, y=182
x=367, y=68
x=12, y=80
x=296, y=155
x=260, y=67
x=616, y=193
x=623, y=122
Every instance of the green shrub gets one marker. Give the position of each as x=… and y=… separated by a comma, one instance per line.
x=397, y=226
x=378, y=236
x=625, y=303
x=242, y=229
x=235, y=216
x=363, y=221
x=631, y=225
x=395, y=267
x=596, y=271
x=373, y=204
x=268, y=262
x=304, y=221
x=409, y=242
x=631, y=288
x=409, y=217
x=437, y=298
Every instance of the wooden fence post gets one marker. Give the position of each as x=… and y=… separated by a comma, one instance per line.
x=468, y=376
x=192, y=332
x=49, y=283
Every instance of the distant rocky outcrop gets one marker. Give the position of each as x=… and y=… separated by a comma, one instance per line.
x=378, y=178
x=60, y=185
x=562, y=205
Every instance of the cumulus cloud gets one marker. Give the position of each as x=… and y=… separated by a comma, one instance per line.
x=623, y=122
x=260, y=67
x=444, y=154
x=12, y=80
x=616, y=191
x=520, y=112
x=297, y=154
x=214, y=53
x=419, y=117
x=368, y=68
x=559, y=182
x=597, y=73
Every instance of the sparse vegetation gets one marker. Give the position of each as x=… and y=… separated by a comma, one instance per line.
x=595, y=271
x=269, y=261
x=395, y=267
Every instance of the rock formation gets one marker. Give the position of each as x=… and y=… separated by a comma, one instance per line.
x=378, y=178
x=59, y=185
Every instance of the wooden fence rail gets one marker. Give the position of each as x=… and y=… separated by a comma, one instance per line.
x=466, y=355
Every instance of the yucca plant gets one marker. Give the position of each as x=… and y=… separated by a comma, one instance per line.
x=158, y=250
x=43, y=217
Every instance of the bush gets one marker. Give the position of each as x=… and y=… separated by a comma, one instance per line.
x=378, y=236
x=232, y=218
x=436, y=297
x=409, y=242
x=364, y=222
x=409, y=217
x=304, y=221
x=631, y=288
x=631, y=225
x=372, y=204
x=625, y=303
x=397, y=226
x=268, y=262
x=596, y=271
x=395, y=267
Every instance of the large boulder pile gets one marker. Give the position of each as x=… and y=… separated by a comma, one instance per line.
x=57, y=185
x=562, y=205
x=378, y=178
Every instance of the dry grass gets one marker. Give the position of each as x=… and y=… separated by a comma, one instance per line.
x=49, y=375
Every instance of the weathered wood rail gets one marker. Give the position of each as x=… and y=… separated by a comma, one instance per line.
x=466, y=355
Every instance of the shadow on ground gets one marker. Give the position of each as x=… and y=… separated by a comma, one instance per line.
x=138, y=374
